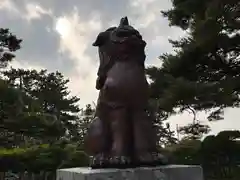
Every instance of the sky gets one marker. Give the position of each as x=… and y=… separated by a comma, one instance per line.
x=58, y=35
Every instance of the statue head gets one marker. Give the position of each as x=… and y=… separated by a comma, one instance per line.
x=117, y=34
x=116, y=42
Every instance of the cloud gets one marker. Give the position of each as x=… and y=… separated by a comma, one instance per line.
x=18, y=65
x=76, y=35
x=30, y=11
x=7, y=5
x=34, y=11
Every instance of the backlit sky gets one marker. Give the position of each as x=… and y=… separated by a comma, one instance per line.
x=57, y=35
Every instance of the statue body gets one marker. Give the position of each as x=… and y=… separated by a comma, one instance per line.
x=127, y=135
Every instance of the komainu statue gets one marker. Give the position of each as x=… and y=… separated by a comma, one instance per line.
x=122, y=134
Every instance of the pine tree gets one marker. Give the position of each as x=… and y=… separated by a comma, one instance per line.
x=165, y=135
x=203, y=72
x=9, y=43
x=85, y=119
x=51, y=98
x=10, y=98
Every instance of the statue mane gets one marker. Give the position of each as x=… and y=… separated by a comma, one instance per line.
x=122, y=43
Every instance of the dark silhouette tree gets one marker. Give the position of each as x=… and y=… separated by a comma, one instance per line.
x=204, y=71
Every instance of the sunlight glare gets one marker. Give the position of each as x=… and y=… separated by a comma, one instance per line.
x=63, y=27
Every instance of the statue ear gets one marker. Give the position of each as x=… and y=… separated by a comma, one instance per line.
x=101, y=38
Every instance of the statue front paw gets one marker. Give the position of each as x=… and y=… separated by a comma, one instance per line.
x=99, y=161
x=150, y=159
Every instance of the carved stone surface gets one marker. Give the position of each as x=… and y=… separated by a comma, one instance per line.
x=169, y=172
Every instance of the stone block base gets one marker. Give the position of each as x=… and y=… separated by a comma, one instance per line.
x=170, y=172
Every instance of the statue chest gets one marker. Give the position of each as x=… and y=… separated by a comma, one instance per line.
x=125, y=83
x=126, y=74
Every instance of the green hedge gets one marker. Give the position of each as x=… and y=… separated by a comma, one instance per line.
x=41, y=158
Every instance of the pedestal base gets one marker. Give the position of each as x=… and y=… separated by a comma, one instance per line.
x=170, y=172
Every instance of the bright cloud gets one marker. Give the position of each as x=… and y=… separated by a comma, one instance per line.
x=16, y=64
x=35, y=11
x=75, y=38
x=8, y=6
x=32, y=10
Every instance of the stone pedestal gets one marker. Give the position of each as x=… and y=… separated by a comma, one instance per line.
x=170, y=172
